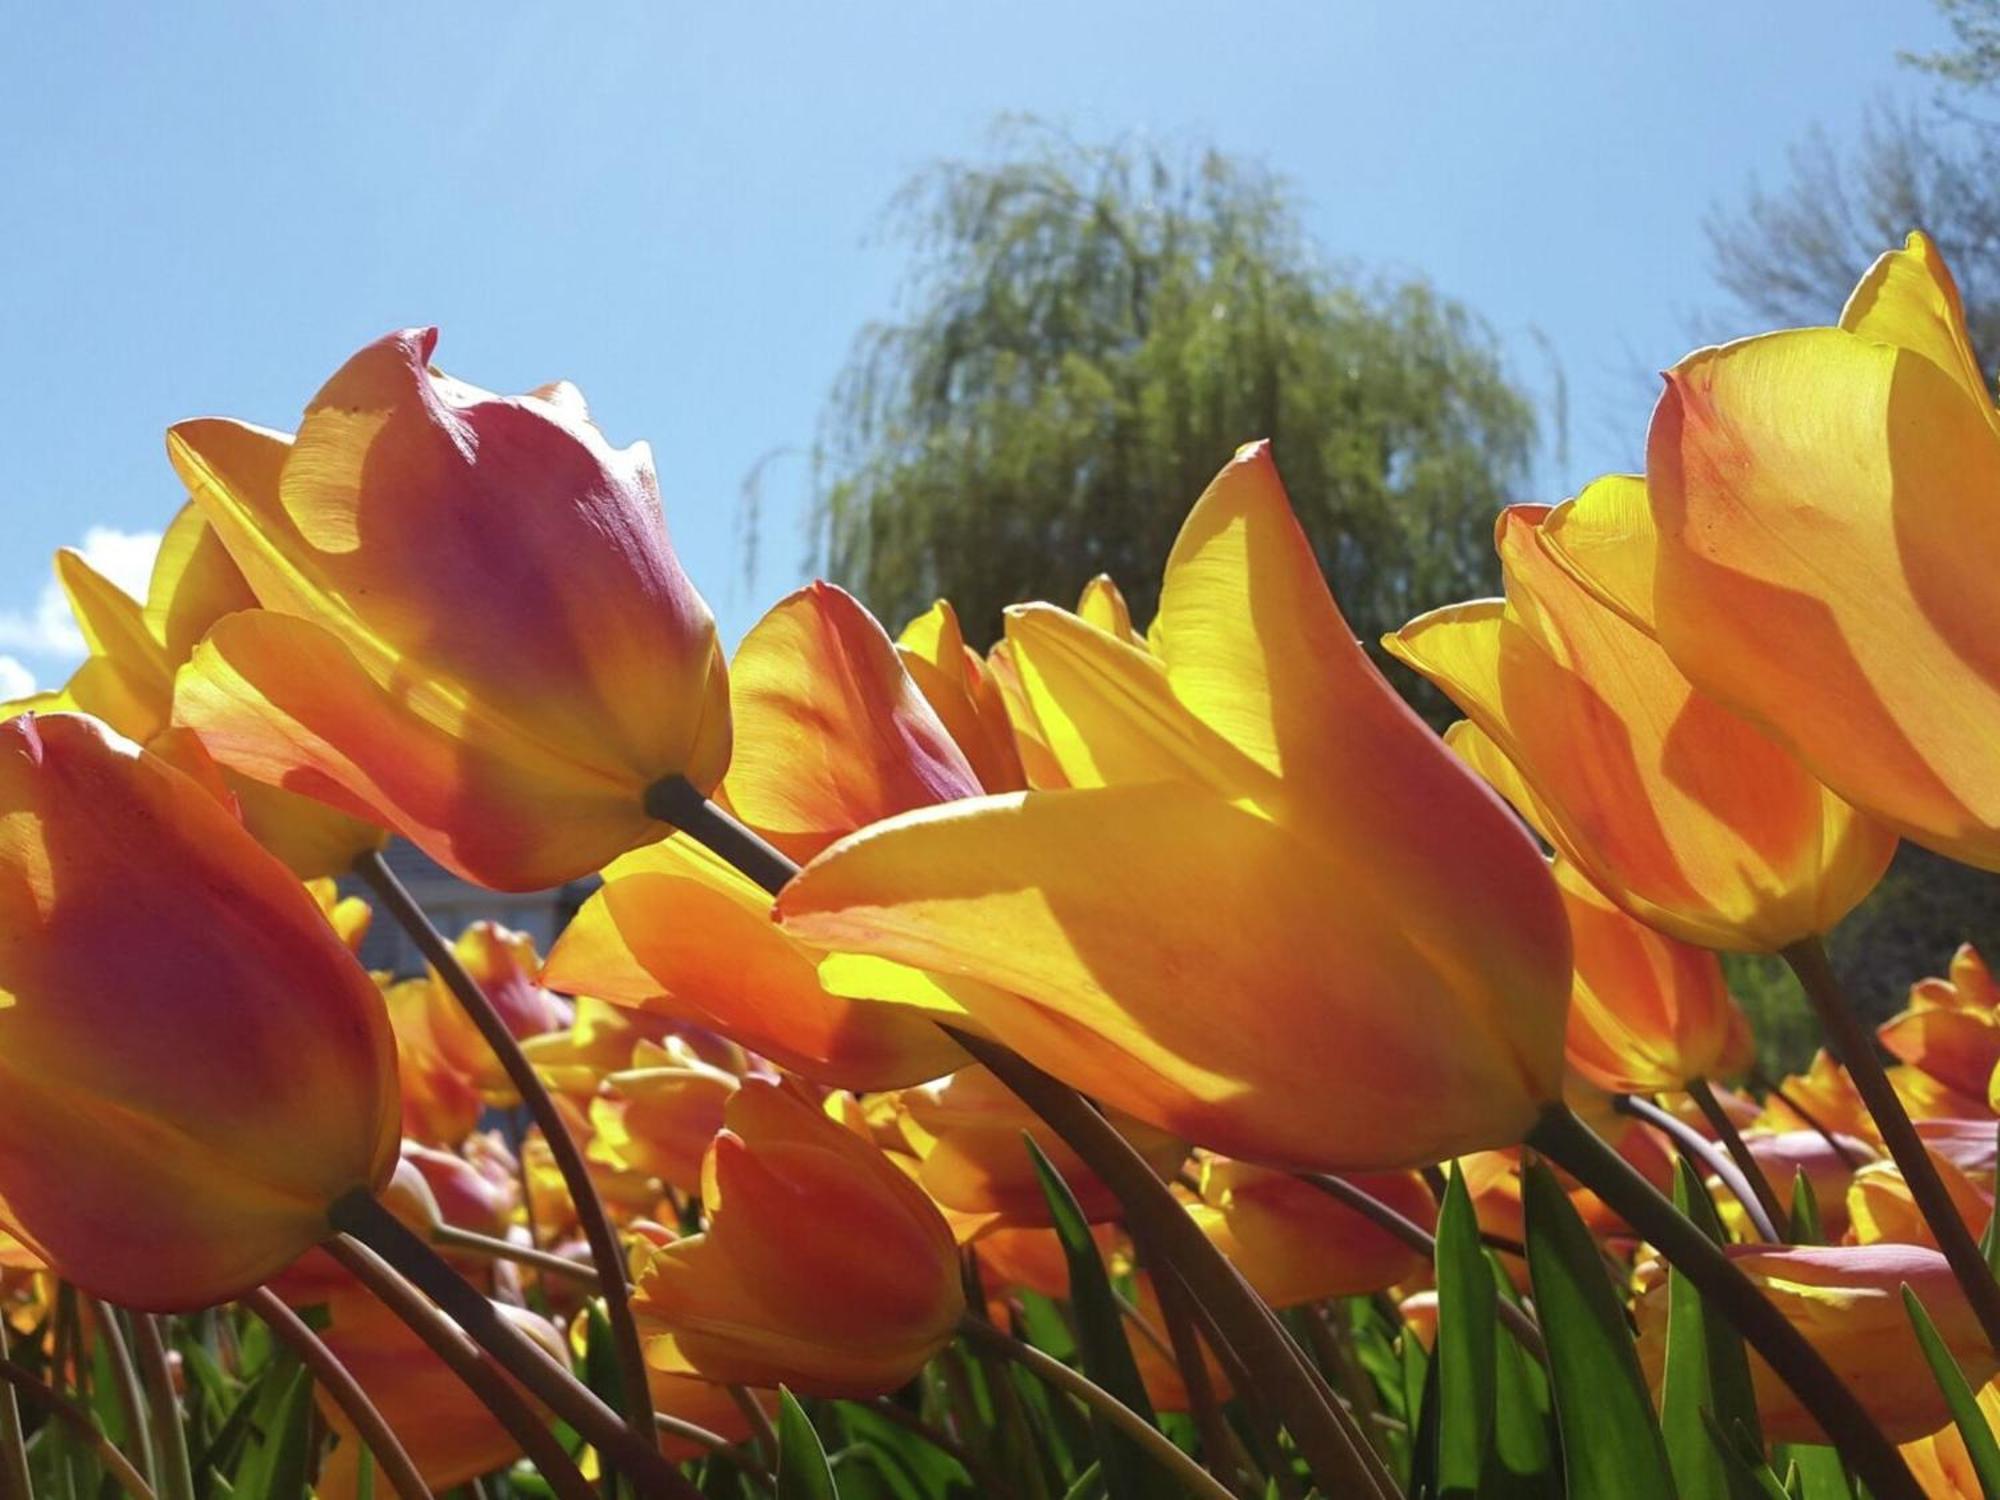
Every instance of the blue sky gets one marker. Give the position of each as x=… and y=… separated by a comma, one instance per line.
x=678, y=206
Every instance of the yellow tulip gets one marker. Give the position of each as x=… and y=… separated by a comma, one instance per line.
x=1272, y=915
x=473, y=628
x=1682, y=813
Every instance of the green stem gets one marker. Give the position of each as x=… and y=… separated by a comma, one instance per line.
x=16, y=1483
x=338, y=1382
x=1191, y=1476
x=125, y=1382
x=606, y=1251
x=170, y=1450
x=461, y=1356
x=1709, y=1156
x=1572, y=1145
x=1854, y=1045
x=78, y=1420
x=359, y=1214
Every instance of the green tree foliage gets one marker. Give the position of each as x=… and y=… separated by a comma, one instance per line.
x=1090, y=332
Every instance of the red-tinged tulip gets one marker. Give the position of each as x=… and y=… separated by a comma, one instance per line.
x=441, y=1103
x=1951, y=1030
x=449, y=1434
x=660, y=1120
x=831, y=735
x=1816, y=549
x=192, y=1066
x=1880, y=1207
x=473, y=628
x=467, y=1196
x=1685, y=815
x=962, y=692
x=1785, y=1155
x=1647, y=1014
x=503, y=963
x=1847, y=1302
x=1140, y=935
x=823, y=1267
x=1826, y=1094
x=128, y=681
x=1940, y=1463
x=968, y=1131
x=1295, y=1244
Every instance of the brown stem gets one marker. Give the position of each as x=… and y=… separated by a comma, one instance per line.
x=1217, y=1447
x=338, y=1382
x=1698, y=1146
x=450, y=1344
x=1854, y=1046
x=1732, y=1142
x=78, y=1420
x=606, y=1251
x=471, y=1242
x=1760, y=1079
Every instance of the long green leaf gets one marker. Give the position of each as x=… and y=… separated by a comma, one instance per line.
x=1100, y=1333
x=1707, y=1374
x=1611, y=1443
x=1971, y=1422
x=803, y=1472
x=1523, y=1445
x=1815, y=1472
x=1806, y=1226
x=1466, y=1329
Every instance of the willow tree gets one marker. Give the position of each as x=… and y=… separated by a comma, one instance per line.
x=1090, y=332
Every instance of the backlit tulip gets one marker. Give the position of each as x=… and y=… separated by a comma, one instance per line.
x=473, y=628
x=660, y=1120
x=1295, y=1244
x=192, y=1065
x=1847, y=1302
x=128, y=681
x=503, y=963
x=1828, y=1167
x=1817, y=548
x=823, y=1267
x=440, y=1101
x=1826, y=1094
x=962, y=692
x=1273, y=915
x=1951, y=1029
x=1880, y=1207
x=831, y=735
x=1646, y=1013
x=1682, y=813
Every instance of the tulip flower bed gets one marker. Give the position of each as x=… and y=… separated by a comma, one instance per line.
x=1127, y=1063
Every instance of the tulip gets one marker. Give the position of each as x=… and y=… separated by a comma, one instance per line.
x=1827, y=1094
x=823, y=1267
x=1682, y=813
x=192, y=1065
x=1814, y=548
x=963, y=693
x=1647, y=1014
x=1260, y=844
x=503, y=963
x=440, y=1102
x=1951, y=1030
x=1881, y=1209
x=128, y=681
x=967, y=1131
x=1940, y=1462
x=831, y=735
x=473, y=628
x=659, y=1120
x=602, y=1039
x=350, y=916
x=1295, y=1244
x=1847, y=1302
x=1785, y=1155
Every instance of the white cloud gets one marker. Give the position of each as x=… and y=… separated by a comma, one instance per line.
x=16, y=681
x=47, y=630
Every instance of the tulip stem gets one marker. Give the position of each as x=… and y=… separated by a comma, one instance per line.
x=338, y=1382
x=1760, y=1079
x=170, y=1450
x=1700, y=1149
x=125, y=1382
x=1572, y=1145
x=1421, y=1240
x=734, y=1454
x=674, y=800
x=360, y=1215
x=1732, y=1142
x=18, y=1378
x=473, y=1243
x=1192, y=1476
x=1854, y=1046
x=1217, y=1445
x=461, y=1356
x=16, y=1483
x=606, y=1251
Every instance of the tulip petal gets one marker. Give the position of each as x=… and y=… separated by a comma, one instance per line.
x=1908, y=299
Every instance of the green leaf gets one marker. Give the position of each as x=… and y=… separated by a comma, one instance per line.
x=1466, y=1329
x=1707, y=1374
x=1523, y=1446
x=1743, y=1455
x=277, y=1468
x=1100, y=1333
x=1965, y=1413
x=803, y=1472
x=1611, y=1444
x=1806, y=1226
x=1815, y=1472
x=1089, y=1482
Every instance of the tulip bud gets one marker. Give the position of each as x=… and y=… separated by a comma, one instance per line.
x=192, y=1065
x=1847, y=1302
x=473, y=628
x=823, y=1267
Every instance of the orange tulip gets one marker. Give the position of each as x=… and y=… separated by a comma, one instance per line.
x=473, y=628
x=602, y=1039
x=967, y=1131
x=1682, y=813
x=660, y=1119
x=962, y=692
x=1940, y=1463
x=831, y=735
x=1847, y=1302
x=440, y=1101
x=192, y=1066
x=503, y=963
x=1295, y=1244
x=823, y=1267
x=1951, y=1030
x=350, y=915
x=1881, y=1208
x=1646, y=1014
x=1782, y=1156
x=128, y=681
x=1827, y=1094
x=1153, y=1353
x=1261, y=844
